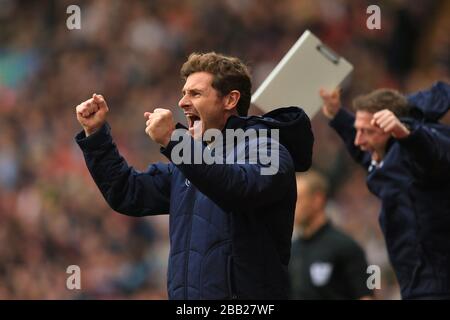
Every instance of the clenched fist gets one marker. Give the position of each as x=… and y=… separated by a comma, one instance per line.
x=331, y=102
x=160, y=125
x=386, y=120
x=91, y=114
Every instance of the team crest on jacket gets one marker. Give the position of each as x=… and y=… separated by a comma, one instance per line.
x=320, y=273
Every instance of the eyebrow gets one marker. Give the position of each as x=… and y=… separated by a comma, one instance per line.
x=363, y=127
x=191, y=90
x=367, y=129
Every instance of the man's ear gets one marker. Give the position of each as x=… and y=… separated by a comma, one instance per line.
x=231, y=100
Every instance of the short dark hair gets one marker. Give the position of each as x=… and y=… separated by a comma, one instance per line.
x=381, y=99
x=315, y=182
x=229, y=73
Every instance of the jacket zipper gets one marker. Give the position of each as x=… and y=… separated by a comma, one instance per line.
x=188, y=240
x=230, y=278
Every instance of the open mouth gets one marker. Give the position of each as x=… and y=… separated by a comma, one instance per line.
x=192, y=118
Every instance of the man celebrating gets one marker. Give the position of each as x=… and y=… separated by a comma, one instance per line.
x=407, y=156
x=230, y=226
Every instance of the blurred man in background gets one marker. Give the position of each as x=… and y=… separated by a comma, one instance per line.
x=325, y=262
x=406, y=153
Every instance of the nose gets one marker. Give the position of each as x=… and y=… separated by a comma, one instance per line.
x=184, y=102
x=359, y=139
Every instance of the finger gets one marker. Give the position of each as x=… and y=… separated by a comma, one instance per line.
x=82, y=108
x=387, y=119
x=376, y=121
x=378, y=114
x=382, y=116
x=100, y=101
x=79, y=108
x=147, y=114
x=150, y=120
x=147, y=130
x=390, y=126
x=158, y=110
x=379, y=123
x=85, y=109
x=92, y=107
x=88, y=101
x=387, y=124
x=98, y=98
x=86, y=113
x=382, y=121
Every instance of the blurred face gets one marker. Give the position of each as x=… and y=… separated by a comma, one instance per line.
x=369, y=137
x=306, y=207
x=202, y=105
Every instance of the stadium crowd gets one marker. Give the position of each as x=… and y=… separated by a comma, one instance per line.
x=51, y=213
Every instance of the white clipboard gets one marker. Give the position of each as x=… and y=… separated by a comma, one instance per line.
x=308, y=66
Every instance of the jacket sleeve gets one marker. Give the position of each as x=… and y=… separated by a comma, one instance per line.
x=343, y=124
x=433, y=102
x=429, y=148
x=236, y=185
x=429, y=144
x=126, y=190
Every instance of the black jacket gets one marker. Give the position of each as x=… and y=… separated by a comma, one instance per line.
x=413, y=183
x=230, y=226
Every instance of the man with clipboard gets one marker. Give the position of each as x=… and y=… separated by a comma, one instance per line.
x=398, y=140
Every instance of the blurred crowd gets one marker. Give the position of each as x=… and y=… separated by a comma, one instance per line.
x=52, y=214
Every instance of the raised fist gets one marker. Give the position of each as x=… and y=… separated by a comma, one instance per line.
x=91, y=114
x=389, y=123
x=160, y=125
x=331, y=102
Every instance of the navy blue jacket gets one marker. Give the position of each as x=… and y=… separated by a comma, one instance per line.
x=413, y=183
x=230, y=226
